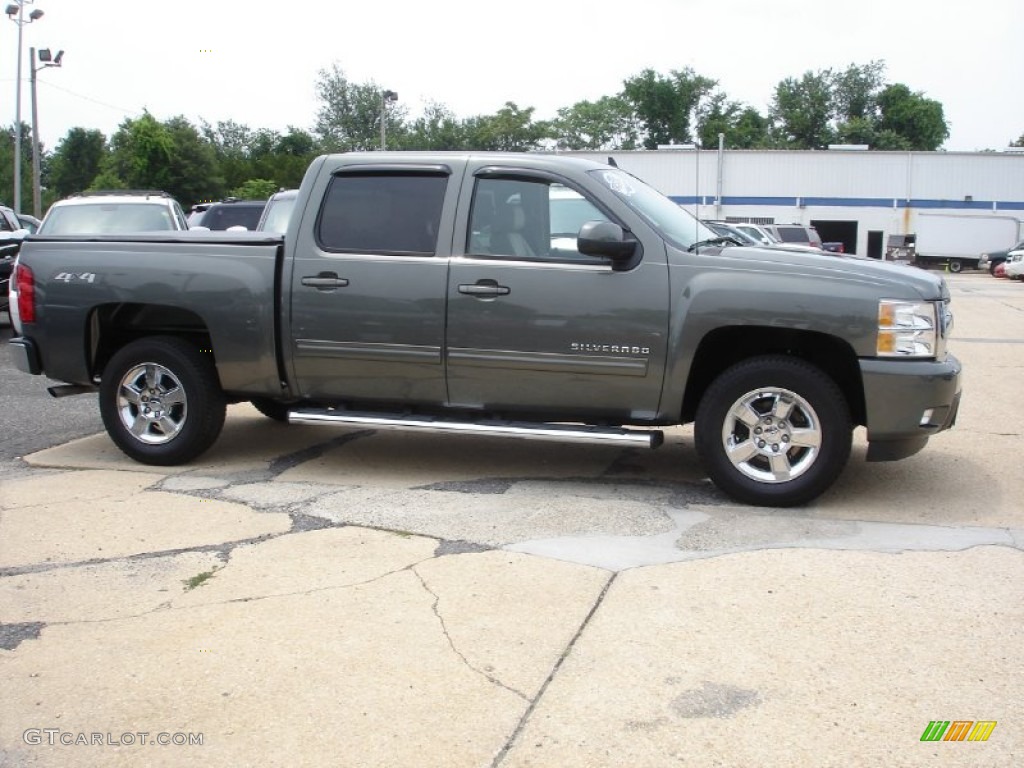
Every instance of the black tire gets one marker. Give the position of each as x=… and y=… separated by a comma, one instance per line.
x=161, y=401
x=955, y=266
x=272, y=409
x=804, y=438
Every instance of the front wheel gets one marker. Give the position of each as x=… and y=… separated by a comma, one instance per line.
x=161, y=401
x=955, y=266
x=271, y=409
x=773, y=431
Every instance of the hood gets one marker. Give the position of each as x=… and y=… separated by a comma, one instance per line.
x=892, y=279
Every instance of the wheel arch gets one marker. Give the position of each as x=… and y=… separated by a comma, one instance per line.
x=110, y=327
x=724, y=347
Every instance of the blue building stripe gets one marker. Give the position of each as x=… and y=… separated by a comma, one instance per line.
x=853, y=202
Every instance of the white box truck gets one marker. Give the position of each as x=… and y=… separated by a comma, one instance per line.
x=957, y=241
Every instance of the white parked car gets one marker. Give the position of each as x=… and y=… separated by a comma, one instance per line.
x=114, y=212
x=1015, y=265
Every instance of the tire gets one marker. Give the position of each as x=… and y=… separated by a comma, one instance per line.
x=161, y=401
x=271, y=409
x=955, y=266
x=793, y=404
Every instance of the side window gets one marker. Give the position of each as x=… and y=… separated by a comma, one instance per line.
x=389, y=213
x=529, y=219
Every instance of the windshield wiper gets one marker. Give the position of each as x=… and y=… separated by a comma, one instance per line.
x=723, y=240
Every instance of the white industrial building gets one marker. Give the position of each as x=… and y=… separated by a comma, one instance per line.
x=857, y=197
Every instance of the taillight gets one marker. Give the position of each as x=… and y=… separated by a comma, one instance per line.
x=26, y=286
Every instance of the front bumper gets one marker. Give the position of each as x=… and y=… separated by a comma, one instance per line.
x=907, y=402
x=25, y=355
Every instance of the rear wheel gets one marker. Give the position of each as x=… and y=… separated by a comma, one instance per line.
x=161, y=401
x=955, y=266
x=773, y=431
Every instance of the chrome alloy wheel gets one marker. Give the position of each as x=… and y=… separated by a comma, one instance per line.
x=772, y=435
x=151, y=403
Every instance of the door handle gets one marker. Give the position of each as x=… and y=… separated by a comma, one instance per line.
x=324, y=281
x=485, y=288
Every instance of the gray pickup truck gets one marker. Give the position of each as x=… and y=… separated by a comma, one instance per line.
x=521, y=295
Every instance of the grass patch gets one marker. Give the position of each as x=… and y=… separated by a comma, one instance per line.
x=199, y=579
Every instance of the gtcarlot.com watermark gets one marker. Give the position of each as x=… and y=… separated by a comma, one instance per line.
x=54, y=737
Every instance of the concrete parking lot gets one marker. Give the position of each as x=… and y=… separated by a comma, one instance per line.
x=316, y=596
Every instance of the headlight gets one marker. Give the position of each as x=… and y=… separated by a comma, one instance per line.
x=907, y=329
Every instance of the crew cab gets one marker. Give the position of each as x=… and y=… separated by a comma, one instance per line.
x=522, y=295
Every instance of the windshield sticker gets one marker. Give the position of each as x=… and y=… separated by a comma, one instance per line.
x=618, y=183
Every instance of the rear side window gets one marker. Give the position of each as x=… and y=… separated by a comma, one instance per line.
x=390, y=213
x=793, y=234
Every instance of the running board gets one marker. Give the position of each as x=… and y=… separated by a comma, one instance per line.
x=521, y=430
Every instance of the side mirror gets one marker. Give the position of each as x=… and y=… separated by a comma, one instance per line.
x=605, y=238
x=11, y=241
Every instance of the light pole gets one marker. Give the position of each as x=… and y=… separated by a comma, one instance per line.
x=48, y=60
x=17, y=9
x=384, y=99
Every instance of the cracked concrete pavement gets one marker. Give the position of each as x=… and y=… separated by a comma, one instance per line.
x=306, y=596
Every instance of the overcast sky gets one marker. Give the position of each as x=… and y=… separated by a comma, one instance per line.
x=256, y=62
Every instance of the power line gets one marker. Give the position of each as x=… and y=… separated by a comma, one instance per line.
x=86, y=98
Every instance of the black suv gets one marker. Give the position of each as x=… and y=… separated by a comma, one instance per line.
x=228, y=213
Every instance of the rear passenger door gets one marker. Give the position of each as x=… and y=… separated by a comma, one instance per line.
x=368, y=283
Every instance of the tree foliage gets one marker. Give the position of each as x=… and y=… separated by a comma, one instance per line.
x=350, y=113
x=916, y=120
x=255, y=189
x=608, y=123
x=7, y=165
x=666, y=106
x=802, y=111
x=855, y=106
x=76, y=161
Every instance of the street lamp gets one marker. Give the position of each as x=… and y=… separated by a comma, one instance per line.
x=384, y=99
x=17, y=9
x=48, y=60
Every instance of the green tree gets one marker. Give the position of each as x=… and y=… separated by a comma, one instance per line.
x=255, y=189
x=920, y=121
x=510, y=129
x=7, y=166
x=76, y=161
x=607, y=123
x=192, y=174
x=349, y=115
x=1019, y=142
x=665, y=107
x=855, y=91
x=801, y=111
x=170, y=156
x=436, y=129
x=140, y=153
x=743, y=127
x=232, y=144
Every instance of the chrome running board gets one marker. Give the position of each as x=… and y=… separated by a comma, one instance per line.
x=522, y=430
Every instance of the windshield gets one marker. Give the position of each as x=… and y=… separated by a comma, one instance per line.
x=673, y=223
x=106, y=219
